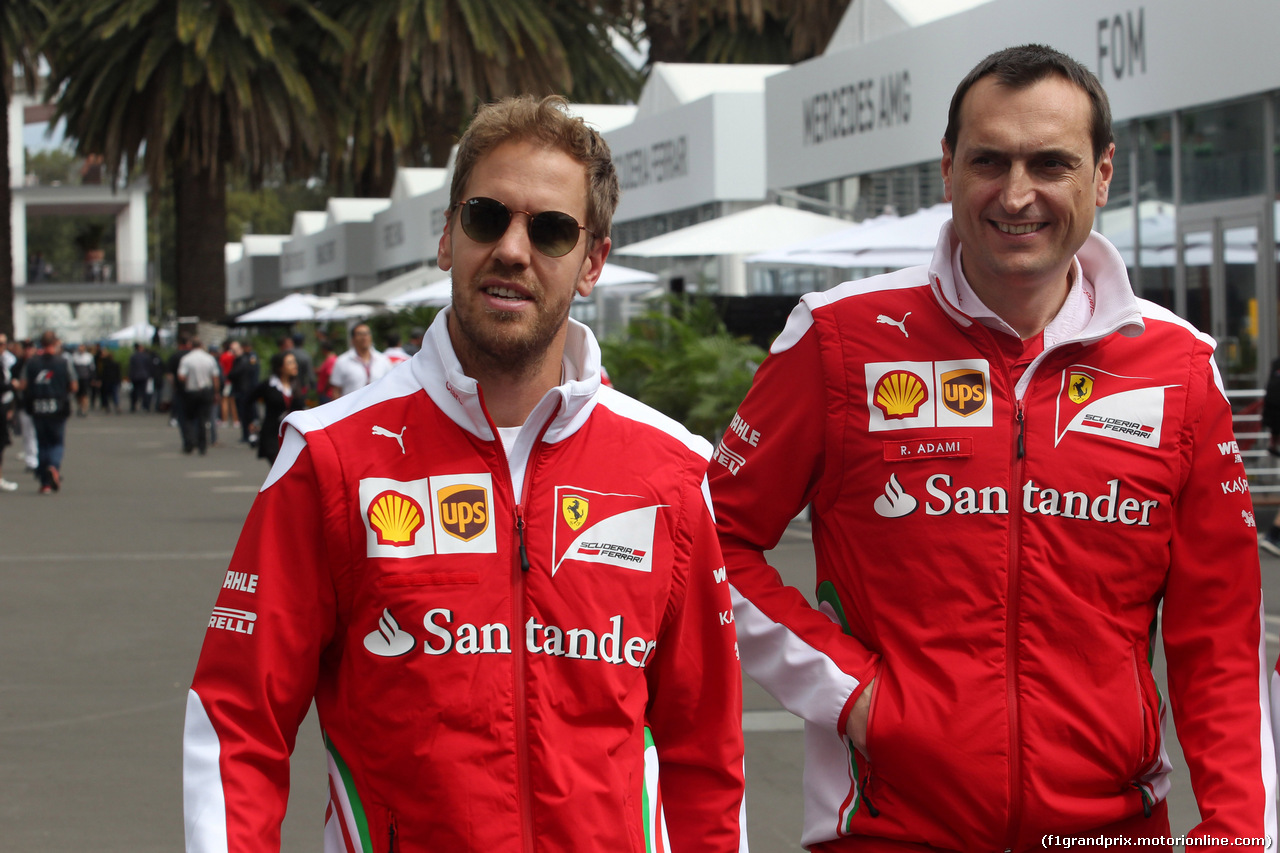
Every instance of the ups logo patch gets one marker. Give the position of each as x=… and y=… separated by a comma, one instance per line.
x=464, y=510
x=964, y=391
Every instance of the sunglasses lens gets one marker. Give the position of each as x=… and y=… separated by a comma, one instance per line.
x=553, y=233
x=484, y=219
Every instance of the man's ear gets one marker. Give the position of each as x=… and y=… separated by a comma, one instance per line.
x=593, y=265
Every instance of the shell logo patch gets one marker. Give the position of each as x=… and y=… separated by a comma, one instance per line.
x=464, y=510
x=900, y=394
x=574, y=510
x=395, y=518
x=448, y=514
x=618, y=533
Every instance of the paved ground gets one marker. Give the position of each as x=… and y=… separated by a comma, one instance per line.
x=107, y=589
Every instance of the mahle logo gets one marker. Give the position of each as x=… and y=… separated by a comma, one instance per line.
x=964, y=391
x=574, y=509
x=464, y=510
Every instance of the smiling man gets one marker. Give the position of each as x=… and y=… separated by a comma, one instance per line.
x=498, y=579
x=1006, y=487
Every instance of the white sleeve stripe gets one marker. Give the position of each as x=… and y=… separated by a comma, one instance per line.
x=803, y=679
x=1266, y=735
x=203, y=804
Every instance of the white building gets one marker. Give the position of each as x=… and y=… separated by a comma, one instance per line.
x=89, y=302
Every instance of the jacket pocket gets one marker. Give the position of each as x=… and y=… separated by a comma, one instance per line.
x=1148, y=698
x=381, y=824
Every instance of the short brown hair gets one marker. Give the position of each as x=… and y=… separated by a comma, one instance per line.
x=547, y=122
x=1022, y=66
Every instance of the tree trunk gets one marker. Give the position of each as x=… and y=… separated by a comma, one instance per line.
x=6, y=213
x=200, y=213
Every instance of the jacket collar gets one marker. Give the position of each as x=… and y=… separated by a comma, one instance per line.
x=1098, y=263
x=568, y=405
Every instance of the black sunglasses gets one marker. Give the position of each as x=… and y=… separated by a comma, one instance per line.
x=551, y=232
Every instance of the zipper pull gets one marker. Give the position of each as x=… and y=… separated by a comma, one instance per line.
x=1022, y=447
x=524, y=555
x=391, y=836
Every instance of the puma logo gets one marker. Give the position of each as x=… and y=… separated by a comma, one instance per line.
x=901, y=324
x=399, y=437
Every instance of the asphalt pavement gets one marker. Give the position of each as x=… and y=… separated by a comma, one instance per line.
x=107, y=589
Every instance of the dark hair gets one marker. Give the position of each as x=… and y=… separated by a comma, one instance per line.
x=277, y=361
x=544, y=122
x=1022, y=66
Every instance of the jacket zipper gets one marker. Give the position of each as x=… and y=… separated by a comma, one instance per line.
x=391, y=836
x=1011, y=626
x=519, y=568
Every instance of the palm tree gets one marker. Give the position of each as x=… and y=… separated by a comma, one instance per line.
x=22, y=25
x=417, y=68
x=193, y=89
x=760, y=31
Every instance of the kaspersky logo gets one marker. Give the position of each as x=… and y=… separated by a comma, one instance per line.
x=389, y=641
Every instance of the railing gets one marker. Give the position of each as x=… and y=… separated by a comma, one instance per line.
x=1262, y=468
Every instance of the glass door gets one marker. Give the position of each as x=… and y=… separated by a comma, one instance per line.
x=1223, y=287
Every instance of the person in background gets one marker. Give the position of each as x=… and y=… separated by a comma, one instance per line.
x=1270, y=541
x=227, y=358
x=84, y=365
x=415, y=340
x=7, y=397
x=324, y=371
x=1017, y=471
x=140, y=378
x=394, y=352
x=360, y=365
x=201, y=380
x=245, y=375
x=26, y=426
x=306, y=381
x=49, y=382
x=279, y=396
x=108, y=379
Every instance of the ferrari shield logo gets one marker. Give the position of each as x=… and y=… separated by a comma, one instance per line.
x=574, y=510
x=1079, y=387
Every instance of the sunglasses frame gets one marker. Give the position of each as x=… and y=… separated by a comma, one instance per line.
x=465, y=206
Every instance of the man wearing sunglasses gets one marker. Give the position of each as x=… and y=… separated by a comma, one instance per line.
x=498, y=579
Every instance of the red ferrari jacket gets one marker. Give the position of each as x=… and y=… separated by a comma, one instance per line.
x=997, y=556
x=531, y=652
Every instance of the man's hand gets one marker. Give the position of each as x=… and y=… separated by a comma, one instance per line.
x=856, y=726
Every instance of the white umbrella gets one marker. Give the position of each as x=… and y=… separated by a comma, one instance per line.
x=768, y=226
x=137, y=332
x=350, y=311
x=294, y=308
x=439, y=293
x=613, y=275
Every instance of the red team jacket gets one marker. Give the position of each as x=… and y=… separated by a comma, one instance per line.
x=490, y=674
x=996, y=558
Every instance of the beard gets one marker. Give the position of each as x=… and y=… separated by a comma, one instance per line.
x=490, y=340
